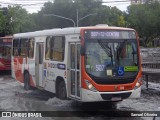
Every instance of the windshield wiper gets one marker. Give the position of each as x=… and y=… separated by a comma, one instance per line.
x=120, y=49
x=107, y=50
x=134, y=50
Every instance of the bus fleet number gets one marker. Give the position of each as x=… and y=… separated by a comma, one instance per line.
x=100, y=67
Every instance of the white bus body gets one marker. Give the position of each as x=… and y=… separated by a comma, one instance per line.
x=51, y=60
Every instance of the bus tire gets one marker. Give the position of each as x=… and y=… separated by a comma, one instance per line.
x=62, y=93
x=26, y=81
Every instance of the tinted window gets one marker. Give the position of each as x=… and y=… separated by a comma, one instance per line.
x=55, y=48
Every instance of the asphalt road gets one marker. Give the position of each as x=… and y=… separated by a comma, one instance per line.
x=14, y=98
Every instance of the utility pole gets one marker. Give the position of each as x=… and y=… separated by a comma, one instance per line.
x=77, y=17
x=61, y=17
x=77, y=20
x=86, y=17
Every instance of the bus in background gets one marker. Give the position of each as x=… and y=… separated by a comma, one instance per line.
x=87, y=64
x=5, y=53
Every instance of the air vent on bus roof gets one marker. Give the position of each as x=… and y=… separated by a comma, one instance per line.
x=102, y=25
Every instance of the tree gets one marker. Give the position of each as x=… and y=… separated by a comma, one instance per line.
x=18, y=20
x=121, y=21
x=2, y=24
x=69, y=8
x=145, y=19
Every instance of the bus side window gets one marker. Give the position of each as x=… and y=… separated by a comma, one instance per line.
x=23, y=47
x=57, y=48
x=15, y=47
x=53, y=54
x=47, y=52
x=15, y=51
x=9, y=52
x=31, y=48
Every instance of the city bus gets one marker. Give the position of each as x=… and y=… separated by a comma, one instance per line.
x=5, y=53
x=87, y=64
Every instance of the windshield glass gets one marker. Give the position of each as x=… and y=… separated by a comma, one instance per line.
x=1, y=51
x=111, y=58
x=5, y=51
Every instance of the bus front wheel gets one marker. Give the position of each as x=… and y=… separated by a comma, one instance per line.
x=62, y=94
x=26, y=81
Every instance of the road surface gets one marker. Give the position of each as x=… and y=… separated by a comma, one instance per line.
x=14, y=98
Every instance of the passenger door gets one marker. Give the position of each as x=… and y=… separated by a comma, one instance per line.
x=74, y=70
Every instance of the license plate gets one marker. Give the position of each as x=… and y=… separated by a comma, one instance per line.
x=116, y=99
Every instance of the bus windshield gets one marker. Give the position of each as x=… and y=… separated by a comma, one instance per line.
x=111, y=58
x=1, y=51
x=5, y=51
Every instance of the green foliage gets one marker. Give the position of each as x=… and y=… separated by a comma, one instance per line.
x=2, y=24
x=86, y=12
x=17, y=20
x=20, y=20
x=145, y=19
x=121, y=21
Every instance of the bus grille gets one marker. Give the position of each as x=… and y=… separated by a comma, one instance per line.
x=120, y=95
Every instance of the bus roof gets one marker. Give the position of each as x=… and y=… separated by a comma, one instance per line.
x=6, y=40
x=64, y=31
x=6, y=37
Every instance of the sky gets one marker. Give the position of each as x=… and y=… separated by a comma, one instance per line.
x=38, y=4
x=120, y=4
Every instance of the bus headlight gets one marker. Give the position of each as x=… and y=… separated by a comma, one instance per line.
x=90, y=86
x=139, y=83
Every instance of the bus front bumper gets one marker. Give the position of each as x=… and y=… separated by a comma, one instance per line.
x=90, y=96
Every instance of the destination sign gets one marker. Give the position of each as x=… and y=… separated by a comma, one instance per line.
x=7, y=40
x=104, y=34
x=110, y=34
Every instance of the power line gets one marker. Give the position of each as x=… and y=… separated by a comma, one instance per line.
x=21, y=4
x=28, y=4
x=32, y=0
x=116, y=1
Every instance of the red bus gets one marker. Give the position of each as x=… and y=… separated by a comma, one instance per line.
x=97, y=63
x=5, y=52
